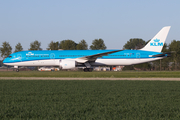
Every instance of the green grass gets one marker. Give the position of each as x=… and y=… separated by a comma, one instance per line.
x=122, y=74
x=89, y=100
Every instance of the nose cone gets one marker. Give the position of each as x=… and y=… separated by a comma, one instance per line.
x=5, y=61
x=9, y=60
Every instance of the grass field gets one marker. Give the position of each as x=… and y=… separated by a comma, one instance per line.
x=110, y=74
x=89, y=100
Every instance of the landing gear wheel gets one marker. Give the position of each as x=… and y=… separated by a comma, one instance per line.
x=17, y=70
x=85, y=69
x=90, y=69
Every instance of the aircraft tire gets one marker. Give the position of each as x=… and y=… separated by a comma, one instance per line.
x=90, y=69
x=85, y=69
x=17, y=70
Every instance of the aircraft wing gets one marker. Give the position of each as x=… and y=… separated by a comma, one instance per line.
x=92, y=58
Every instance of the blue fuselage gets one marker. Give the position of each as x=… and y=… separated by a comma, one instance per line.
x=24, y=56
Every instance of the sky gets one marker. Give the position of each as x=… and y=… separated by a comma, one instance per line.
x=115, y=21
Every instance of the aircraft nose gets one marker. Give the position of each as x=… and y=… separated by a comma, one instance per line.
x=5, y=61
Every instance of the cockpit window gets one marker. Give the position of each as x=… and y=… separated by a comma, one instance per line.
x=10, y=56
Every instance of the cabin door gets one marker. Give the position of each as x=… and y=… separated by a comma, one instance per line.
x=52, y=56
x=138, y=55
x=19, y=56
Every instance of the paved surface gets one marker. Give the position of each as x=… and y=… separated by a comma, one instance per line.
x=53, y=78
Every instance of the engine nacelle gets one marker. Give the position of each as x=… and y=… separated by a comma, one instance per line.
x=67, y=64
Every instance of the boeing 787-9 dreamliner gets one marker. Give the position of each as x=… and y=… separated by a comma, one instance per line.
x=69, y=59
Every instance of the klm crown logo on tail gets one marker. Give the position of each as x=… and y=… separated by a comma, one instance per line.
x=156, y=43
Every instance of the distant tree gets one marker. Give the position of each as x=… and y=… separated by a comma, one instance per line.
x=175, y=46
x=67, y=45
x=162, y=64
x=165, y=48
x=35, y=45
x=1, y=63
x=18, y=47
x=143, y=66
x=134, y=44
x=53, y=46
x=128, y=67
x=98, y=44
x=165, y=63
x=5, y=50
x=155, y=65
x=82, y=45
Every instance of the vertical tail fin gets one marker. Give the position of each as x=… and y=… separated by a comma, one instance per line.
x=156, y=44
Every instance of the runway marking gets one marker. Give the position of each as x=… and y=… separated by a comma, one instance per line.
x=55, y=78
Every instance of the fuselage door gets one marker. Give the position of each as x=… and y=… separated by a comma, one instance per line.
x=138, y=55
x=19, y=56
x=52, y=56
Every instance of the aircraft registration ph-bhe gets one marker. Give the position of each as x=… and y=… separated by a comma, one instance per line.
x=69, y=59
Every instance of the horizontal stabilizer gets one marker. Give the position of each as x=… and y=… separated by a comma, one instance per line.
x=168, y=54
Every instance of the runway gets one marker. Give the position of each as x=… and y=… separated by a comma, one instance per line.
x=66, y=78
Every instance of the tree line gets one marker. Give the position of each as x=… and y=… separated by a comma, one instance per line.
x=170, y=63
x=97, y=44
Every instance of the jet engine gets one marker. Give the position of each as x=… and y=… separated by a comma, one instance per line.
x=67, y=64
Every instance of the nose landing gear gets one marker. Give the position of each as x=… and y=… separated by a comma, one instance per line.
x=16, y=68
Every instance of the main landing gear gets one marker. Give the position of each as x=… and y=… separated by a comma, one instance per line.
x=17, y=70
x=88, y=69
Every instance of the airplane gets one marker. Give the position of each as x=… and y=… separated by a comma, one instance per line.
x=70, y=59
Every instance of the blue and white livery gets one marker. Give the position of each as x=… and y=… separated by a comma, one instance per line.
x=69, y=59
